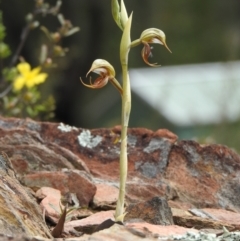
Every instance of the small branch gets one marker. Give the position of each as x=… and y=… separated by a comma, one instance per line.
x=6, y=91
x=24, y=36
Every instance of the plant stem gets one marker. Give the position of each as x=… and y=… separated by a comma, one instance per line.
x=135, y=43
x=24, y=36
x=126, y=108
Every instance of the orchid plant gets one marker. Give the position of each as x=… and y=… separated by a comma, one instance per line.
x=107, y=73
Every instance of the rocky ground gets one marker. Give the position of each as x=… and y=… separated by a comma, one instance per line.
x=174, y=187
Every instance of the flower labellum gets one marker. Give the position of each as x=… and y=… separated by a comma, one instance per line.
x=106, y=72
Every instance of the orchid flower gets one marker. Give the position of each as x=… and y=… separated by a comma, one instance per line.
x=106, y=72
x=150, y=36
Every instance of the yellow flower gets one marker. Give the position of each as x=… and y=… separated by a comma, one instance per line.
x=28, y=77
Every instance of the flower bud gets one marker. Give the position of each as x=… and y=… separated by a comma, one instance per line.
x=119, y=14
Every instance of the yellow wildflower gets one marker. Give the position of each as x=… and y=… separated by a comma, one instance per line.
x=28, y=77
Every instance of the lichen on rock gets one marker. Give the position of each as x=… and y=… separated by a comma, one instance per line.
x=85, y=139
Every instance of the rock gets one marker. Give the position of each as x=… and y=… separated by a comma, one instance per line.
x=21, y=237
x=154, y=211
x=19, y=211
x=224, y=215
x=119, y=233
x=190, y=175
x=46, y=192
x=205, y=176
x=131, y=231
x=208, y=219
x=22, y=141
x=203, y=223
x=35, y=146
x=68, y=181
x=105, y=197
x=89, y=224
x=176, y=203
x=180, y=212
x=50, y=202
x=158, y=231
x=166, y=134
x=138, y=232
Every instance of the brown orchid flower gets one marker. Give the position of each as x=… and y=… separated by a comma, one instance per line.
x=106, y=72
x=150, y=36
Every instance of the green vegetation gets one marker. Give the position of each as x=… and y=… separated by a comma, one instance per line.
x=20, y=95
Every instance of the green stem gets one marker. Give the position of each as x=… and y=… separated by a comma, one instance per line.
x=135, y=43
x=126, y=108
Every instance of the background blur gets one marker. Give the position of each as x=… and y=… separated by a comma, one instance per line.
x=197, y=32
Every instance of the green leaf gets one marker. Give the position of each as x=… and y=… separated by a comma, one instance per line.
x=123, y=14
x=9, y=74
x=2, y=28
x=126, y=41
x=4, y=50
x=116, y=13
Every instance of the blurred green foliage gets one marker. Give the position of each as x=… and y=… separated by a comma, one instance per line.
x=4, y=48
x=20, y=95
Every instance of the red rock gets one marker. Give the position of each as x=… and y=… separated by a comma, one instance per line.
x=20, y=165
x=80, y=182
x=87, y=225
x=164, y=133
x=224, y=215
x=154, y=211
x=19, y=212
x=161, y=231
x=180, y=212
x=106, y=196
x=51, y=201
x=190, y=174
x=80, y=214
x=22, y=141
x=140, y=191
x=136, y=232
x=203, y=223
x=73, y=181
x=204, y=176
x=47, y=191
x=180, y=205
